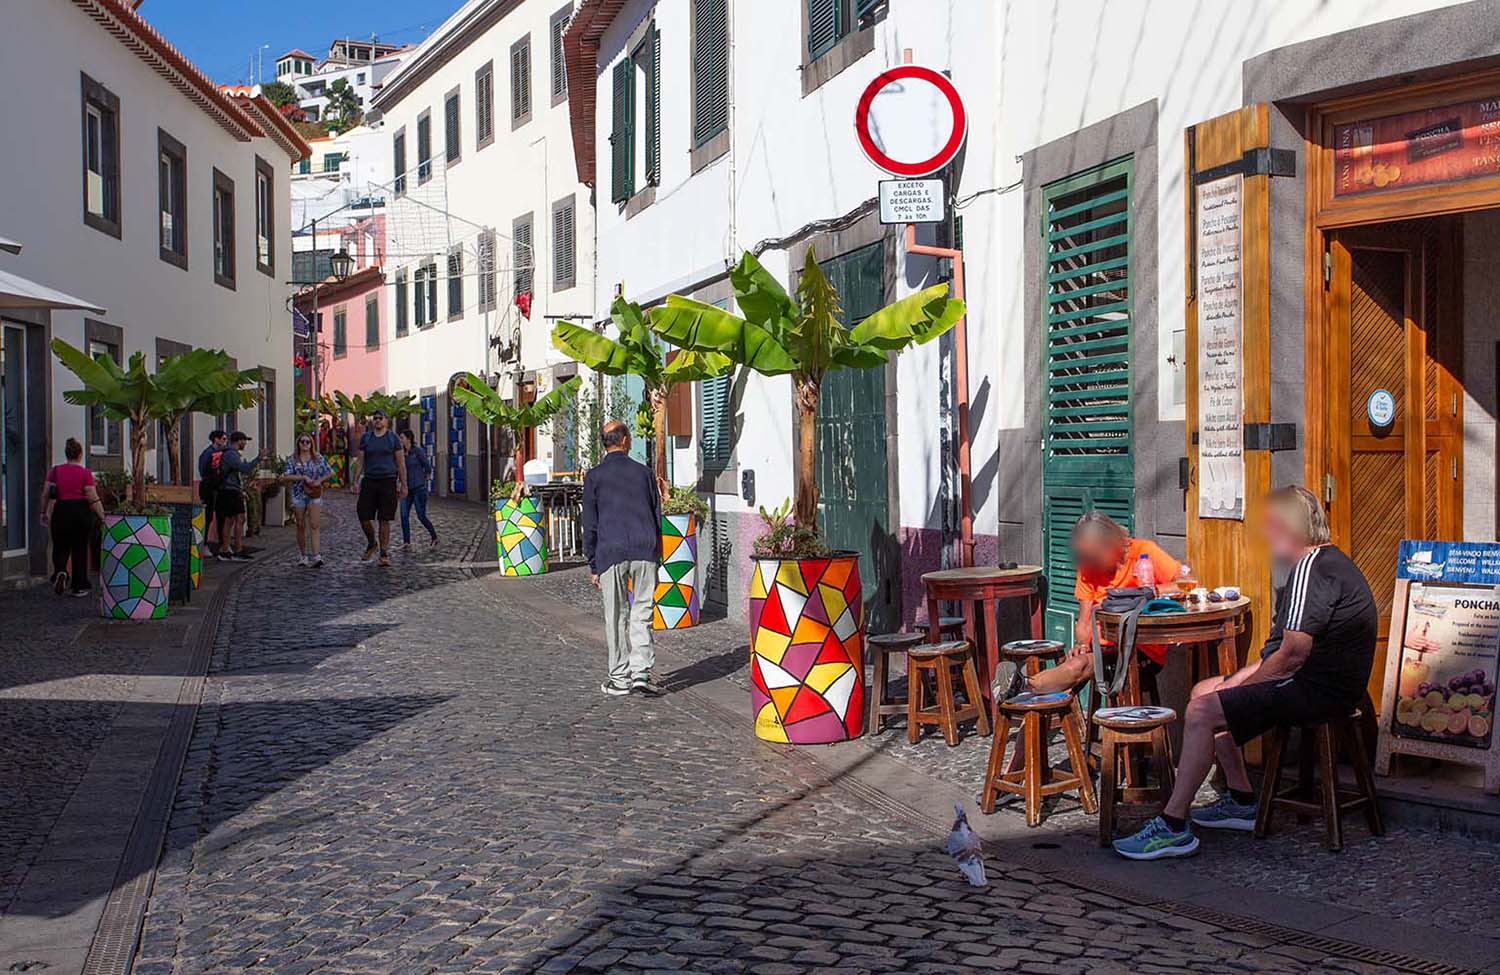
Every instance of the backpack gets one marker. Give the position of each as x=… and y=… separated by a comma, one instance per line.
x=214, y=478
x=1131, y=603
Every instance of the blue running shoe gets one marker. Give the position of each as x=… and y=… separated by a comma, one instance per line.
x=1157, y=840
x=1225, y=813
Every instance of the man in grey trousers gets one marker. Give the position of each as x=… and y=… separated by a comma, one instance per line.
x=622, y=540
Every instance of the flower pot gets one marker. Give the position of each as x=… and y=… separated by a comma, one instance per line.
x=187, y=537
x=195, y=551
x=807, y=649
x=520, y=537
x=135, y=566
x=677, y=576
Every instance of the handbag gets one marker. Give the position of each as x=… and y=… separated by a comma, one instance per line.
x=312, y=490
x=1129, y=602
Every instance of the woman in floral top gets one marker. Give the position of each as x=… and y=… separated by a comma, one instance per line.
x=306, y=472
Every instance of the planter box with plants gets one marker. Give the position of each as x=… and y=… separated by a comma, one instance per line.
x=676, y=605
x=806, y=602
x=135, y=559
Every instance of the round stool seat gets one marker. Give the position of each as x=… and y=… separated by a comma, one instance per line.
x=950, y=622
x=1027, y=701
x=1142, y=717
x=895, y=642
x=1021, y=649
x=948, y=648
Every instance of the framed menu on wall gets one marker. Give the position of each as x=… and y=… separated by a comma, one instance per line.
x=1443, y=660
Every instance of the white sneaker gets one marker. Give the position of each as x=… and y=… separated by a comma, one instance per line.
x=317, y=561
x=304, y=561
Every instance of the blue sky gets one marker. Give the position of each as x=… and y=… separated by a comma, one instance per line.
x=221, y=36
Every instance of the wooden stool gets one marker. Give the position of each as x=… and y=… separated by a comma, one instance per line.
x=1121, y=730
x=1325, y=799
x=1036, y=779
x=939, y=660
x=882, y=647
x=951, y=627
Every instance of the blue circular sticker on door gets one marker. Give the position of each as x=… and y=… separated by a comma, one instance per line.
x=1381, y=408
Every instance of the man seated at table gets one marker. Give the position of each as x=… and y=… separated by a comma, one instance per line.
x=1105, y=556
x=1314, y=667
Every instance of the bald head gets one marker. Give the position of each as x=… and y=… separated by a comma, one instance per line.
x=616, y=436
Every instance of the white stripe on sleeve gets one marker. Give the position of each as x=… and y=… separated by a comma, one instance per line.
x=1298, y=602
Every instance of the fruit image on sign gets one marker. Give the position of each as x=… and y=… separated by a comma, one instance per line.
x=1449, y=651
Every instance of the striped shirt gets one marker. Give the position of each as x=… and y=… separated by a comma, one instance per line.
x=1327, y=598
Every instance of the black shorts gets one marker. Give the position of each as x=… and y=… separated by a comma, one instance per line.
x=228, y=502
x=1251, y=710
x=377, y=499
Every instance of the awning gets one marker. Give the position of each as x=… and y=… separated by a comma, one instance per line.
x=13, y=246
x=18, y=292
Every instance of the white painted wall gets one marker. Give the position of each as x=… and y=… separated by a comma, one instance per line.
x=524, y=170
x=46, y=45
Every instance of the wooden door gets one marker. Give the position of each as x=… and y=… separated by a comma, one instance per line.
x=1394, y=325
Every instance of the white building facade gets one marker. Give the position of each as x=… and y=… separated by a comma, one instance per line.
x=1078, y=114
x=142, y=186
x=489, y=232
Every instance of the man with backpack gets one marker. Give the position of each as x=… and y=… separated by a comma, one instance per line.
x=208, y=479
x=225, y=469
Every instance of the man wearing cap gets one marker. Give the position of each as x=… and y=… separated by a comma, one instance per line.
x=380, y=472
x=208, y=481
x=229, y=499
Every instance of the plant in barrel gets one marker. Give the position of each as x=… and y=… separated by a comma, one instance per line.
x=520, y=534
x=135, y=556
x=806, y=603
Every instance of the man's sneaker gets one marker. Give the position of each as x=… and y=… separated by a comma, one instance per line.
x=304, y=561
x=1010, y=680
x=81, y=593
x=643, y=684
x=433, y=543
x=614, y=690
x=59, y=583
x=222, y=556
x=405, y=544
x=238, y=557
x=385, y=558
x=1156, y=840
x=1225, y=813
x=317, y=561
x=369, y=553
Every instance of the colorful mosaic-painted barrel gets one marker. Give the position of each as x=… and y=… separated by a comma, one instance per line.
x=521, y=537
x=807, y=649
x=135, y=566
x=677, y=576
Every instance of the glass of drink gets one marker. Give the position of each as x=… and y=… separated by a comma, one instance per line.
x=1187, y=580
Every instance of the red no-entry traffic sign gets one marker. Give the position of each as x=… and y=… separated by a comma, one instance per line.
x=911, y=120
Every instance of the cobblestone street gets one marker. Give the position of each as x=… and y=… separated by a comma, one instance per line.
x=410, y=770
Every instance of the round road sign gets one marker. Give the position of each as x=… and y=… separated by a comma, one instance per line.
x=911, y=121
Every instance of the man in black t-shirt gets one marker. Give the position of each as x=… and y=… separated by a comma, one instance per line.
x=1315, y=666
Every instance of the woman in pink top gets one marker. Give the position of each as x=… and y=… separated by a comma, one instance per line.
x=70, y=506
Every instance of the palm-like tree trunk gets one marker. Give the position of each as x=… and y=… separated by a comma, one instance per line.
x=174, y=452
x=805, y=510
x=138, y=459
x=659, y=428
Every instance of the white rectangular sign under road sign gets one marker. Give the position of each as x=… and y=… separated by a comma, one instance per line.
x=911, y=201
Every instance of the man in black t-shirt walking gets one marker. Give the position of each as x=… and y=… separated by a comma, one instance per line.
x=1315, y=666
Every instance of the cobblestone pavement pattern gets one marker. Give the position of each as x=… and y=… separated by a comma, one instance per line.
x=407, y=770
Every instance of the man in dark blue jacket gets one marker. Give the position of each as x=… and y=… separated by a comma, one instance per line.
x=622, y=539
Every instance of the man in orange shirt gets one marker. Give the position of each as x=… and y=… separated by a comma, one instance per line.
x=1106, y=557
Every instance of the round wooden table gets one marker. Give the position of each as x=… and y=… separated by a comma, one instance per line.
x=1210, y=628
x=979, y=589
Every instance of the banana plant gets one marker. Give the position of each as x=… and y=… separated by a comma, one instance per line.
x=485, y=404
x=805, y=339
x=201, y=381
x=636, y=352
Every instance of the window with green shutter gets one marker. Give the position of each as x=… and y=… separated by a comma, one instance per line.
x=710, y=69
x=716, y=419
x=1087, y=433
x=340, y=333
x=622, y=133
x=372, y=322
x=401, y=309
x=652, y=62
x=830, y=21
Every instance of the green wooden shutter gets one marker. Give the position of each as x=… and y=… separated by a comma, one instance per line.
x=710, y=69
x=717, y=420
x=863, y=8
x=622, y=137
x=401, y=319
x=1087, y=434
x=823, y=26
x=653, y=108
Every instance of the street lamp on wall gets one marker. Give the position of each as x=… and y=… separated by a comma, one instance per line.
x=342, y=264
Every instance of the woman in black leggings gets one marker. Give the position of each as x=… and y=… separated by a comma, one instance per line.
x=70, y=506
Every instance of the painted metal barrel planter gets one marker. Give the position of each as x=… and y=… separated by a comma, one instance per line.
x=521, y=537
x=807, y=649
x=195, y=552
x=677, y=576
x=135, y=566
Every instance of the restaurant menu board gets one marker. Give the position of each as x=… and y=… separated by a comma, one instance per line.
x=1435, y=145
x=1221, y=439
x=1450, y=642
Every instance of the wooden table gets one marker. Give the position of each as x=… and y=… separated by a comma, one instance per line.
x=1208, y=628
x=979, y=590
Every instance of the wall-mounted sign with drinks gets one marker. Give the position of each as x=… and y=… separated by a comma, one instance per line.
x=1444, y=657
x=1434, y=145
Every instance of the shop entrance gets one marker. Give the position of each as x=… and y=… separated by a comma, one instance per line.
x=1394, y=395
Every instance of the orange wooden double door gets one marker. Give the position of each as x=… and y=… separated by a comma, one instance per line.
x=1395, y=339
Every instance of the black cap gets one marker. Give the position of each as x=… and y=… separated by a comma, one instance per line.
x=216, y=434
x=377, y=412
x=239, y=436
